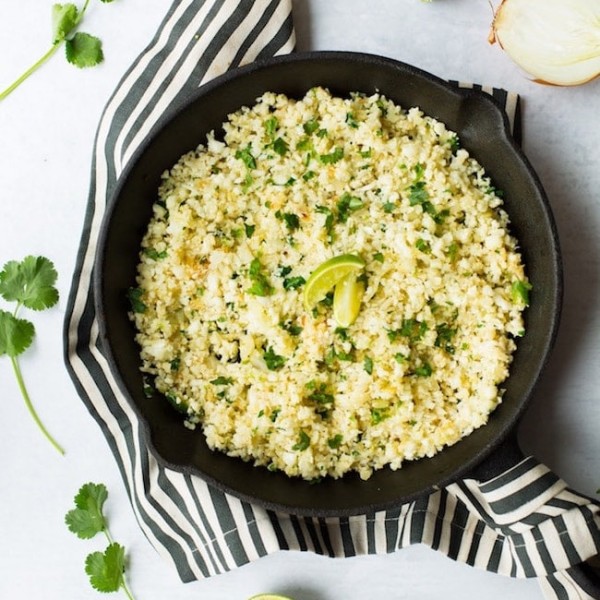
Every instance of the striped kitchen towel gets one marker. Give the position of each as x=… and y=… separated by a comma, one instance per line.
x=522, y=523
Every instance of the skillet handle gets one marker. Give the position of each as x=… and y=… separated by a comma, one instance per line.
x=582, y=580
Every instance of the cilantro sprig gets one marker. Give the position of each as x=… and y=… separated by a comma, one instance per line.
x=106, y=570
x=81, y=49
x=29, y=284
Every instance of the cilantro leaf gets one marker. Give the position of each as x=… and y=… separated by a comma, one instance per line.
x=84, y=50
x=29, y=282
x=65, y=17
x=105, y=570
x=273, y=361
x=87, y=519
x=16, y=335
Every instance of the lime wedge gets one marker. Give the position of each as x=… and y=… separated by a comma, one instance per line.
x=346, y=299
x=325, y=277
x=269, y=597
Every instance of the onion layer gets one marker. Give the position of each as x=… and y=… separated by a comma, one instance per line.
x=555, y=41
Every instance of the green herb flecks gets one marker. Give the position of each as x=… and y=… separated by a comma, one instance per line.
x=274, y=361
x=303, y=442
x=106, y=570
x=280, y=146
x=291, y=328
x=260, y=284
x=134, y=295
x=246, y=156
x=291, y=220
x=445, y=337
x=335, y=441
x=520, y=291
x=379, y=414
x=329, y=222
x=412, y=329
x=221, y=380
x=81, y=49
x=29, y=284
x=332, y=157
x=271, y=127
x=423, y=370
x=346, y=205
x=293, y=283
x=320, y=397
x=311, y=126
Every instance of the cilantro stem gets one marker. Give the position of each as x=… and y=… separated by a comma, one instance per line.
x=126, y=590
x=29, y=72
x=29, y=404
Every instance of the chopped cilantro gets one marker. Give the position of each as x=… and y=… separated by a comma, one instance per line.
x=445, y=335
x=280, y=146
x=304, y=144
x=412, y=329
x=291, y=220
x=134, y=296
x=303, y=442
x=418, y=194
x=284, y=270
x=342, y=332
x=308, y=175
x=155, y=254
x=388, y=207
x=310, y=126
x=423, y=246
x=378, y=256
x=249, y=229
x=335, y=441
x=379, y=414
x=222, y=381
x=423, y=370
x=293, y=283
x=332, y=157
x=347, y=204
x=454, y=143
x=245, y=155
x=520, y=291
x=351, y=121
x=273, y=361
x=329, y=221
x=260, y=284
x=452, y=251
x=368, y=365
x=291, y=328
x=271, y=126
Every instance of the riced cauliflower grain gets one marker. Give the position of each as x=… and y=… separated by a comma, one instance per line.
x=238, y=228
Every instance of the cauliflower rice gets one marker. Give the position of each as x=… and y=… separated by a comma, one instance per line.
x=239, y=226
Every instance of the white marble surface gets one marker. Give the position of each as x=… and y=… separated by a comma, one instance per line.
x=46, y=133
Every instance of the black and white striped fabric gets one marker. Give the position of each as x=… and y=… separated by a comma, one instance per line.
x=522, y=523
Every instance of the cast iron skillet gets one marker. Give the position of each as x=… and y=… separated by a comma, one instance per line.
x=483, y=130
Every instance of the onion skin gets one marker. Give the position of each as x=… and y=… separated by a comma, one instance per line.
x=555, y=41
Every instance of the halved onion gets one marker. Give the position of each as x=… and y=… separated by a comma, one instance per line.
x=555, y=41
